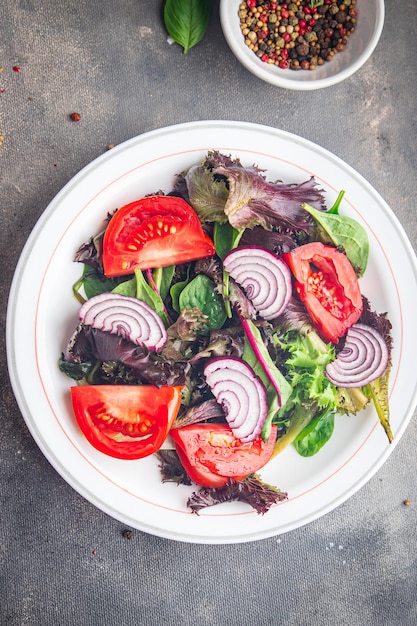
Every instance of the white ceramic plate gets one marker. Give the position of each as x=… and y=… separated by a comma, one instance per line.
x=359, y=48
x=42, y=314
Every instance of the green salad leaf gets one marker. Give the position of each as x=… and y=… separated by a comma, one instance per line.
x=252, y=359
x=186, y=21
x=344, y=232
x=207, y=194
x=201, y=293
x=93, y=282
x=312, y=394
x=318, y=432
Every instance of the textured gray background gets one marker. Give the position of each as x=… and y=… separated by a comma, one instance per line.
x=111, y=62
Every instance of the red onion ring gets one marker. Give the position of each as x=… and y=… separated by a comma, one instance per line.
x=364, y=358
x=265, y=278
x=127, y=317
x=241, y=393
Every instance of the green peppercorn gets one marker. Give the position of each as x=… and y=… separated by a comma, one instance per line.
x=310, y=36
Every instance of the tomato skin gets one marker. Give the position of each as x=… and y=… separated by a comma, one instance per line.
x=152, y=232
x=212, y=456
x=328, y=287
x=125, y=421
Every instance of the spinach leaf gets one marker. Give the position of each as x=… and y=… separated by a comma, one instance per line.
x=76, y=371
x=186, y=21
x=318, y=432
x=175, y=292
x=225, y=238
x=345, y=232
x=128, y=288
x=201, y=293
x=94, y=283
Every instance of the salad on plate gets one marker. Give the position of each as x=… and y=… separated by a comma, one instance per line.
x=220, y=323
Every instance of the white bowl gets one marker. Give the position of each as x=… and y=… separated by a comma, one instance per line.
x=359, y=48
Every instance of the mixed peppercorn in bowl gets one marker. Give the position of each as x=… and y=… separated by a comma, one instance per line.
x=305, y=44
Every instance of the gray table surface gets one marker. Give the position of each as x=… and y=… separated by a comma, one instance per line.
x=63, y=561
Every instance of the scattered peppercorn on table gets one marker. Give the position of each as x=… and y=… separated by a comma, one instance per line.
x=77, y=80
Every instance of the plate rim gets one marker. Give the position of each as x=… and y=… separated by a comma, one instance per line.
x=30, y=244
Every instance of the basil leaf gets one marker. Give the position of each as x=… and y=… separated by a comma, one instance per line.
x=345, y=232
x=186, y=21
x=201, y=293
x=318, y=432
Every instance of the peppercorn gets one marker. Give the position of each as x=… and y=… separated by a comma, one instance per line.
x=75, y=117
x=314, y=35
x=303, y=49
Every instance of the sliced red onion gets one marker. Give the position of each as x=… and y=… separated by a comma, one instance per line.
x=364, y=358
x=127, y=317
x=241, y=394
x=265, y=278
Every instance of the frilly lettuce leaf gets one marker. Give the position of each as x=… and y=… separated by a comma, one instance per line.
x=252, y=201
x=206, y=194
x=222, y=189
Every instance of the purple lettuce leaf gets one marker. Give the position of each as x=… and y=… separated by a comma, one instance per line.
x=252, y=201
x=171, y=469
x=207, y=410
x=253, y=491
x=89, y=343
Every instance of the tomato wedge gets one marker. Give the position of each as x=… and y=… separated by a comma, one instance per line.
x=212, y=456
x=327, y=285
x=156, y=231
x=125, y=421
